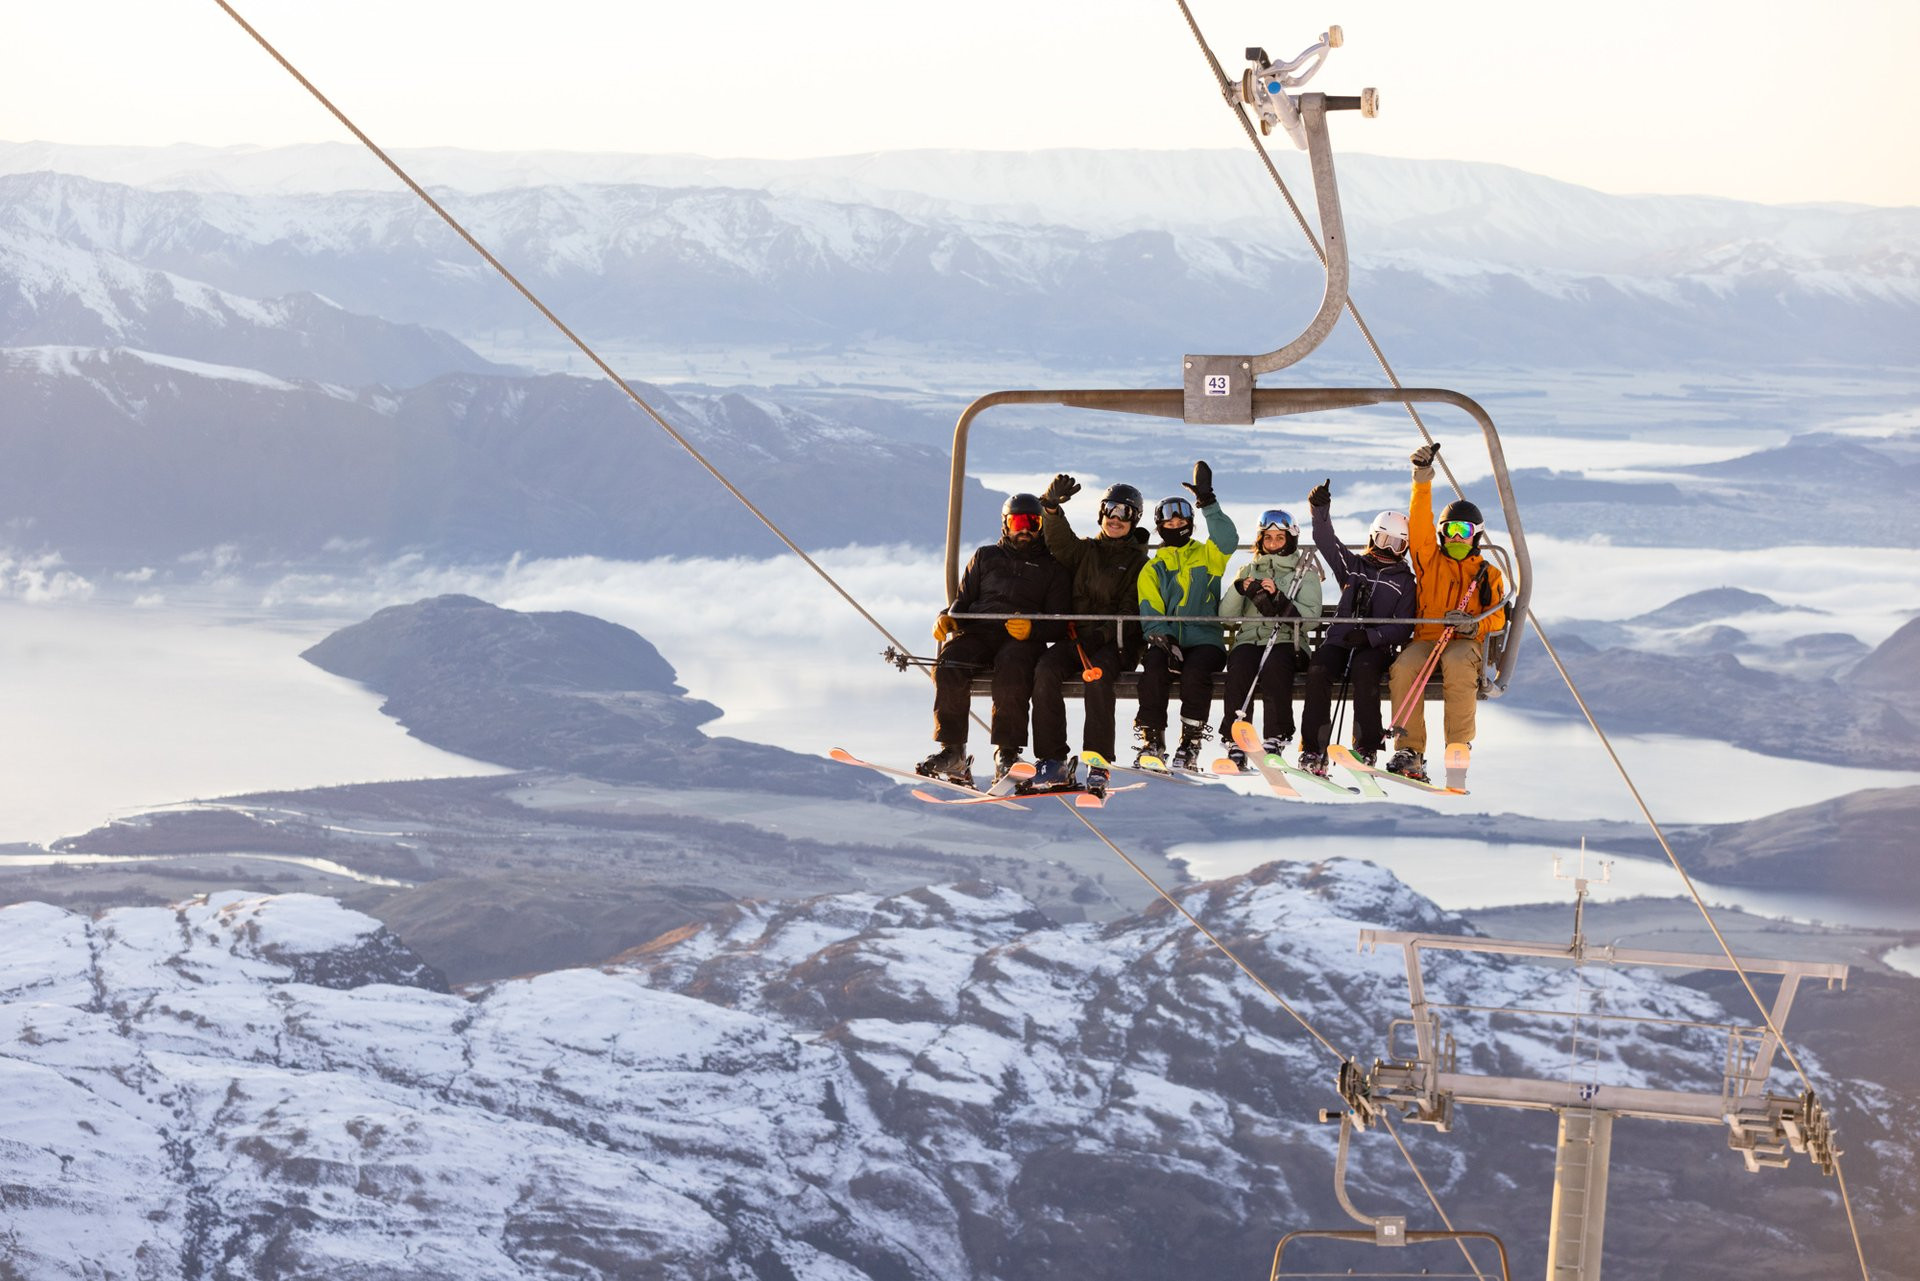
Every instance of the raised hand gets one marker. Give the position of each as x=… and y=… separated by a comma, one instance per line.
x=1201, y=486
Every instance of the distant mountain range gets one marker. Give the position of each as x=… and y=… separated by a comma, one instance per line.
x=123, y=457
x=1677, y=670
x=1073, y=256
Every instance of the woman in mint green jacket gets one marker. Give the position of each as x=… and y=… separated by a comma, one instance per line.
x=1279, y=583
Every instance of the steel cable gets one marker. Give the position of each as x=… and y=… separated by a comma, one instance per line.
x=1393, y=379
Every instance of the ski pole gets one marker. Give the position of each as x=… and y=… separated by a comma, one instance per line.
x=1088, y=672
x=1447, y=637
x=1293, y=590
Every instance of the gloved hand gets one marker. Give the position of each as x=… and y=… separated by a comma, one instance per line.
x=1019, y=628
x=944, y=628
x=1423, y=456
x=1201, y=486
x=1460, y=620
x=1161, y=641
x=1321, y=495
x=1059, y=490
x=1247, y=587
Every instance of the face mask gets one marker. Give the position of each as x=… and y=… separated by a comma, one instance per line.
x=1459, y=551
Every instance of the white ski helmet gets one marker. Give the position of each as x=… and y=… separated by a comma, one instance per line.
x=1389, y=532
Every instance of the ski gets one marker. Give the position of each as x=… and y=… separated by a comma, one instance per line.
x=1353, y=765
x=1455, y=761
x=1081, y=796
x=845, y=757
x=1249, y=742
x=1100, y=762
x=1278, y=773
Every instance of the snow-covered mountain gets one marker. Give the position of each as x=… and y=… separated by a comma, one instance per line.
x=126, y=457
x=1472, y=263
x=63, y=283
x=1491, y=213
x=936, y=1084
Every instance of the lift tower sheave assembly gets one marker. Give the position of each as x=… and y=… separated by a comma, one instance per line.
x=1763, y=1126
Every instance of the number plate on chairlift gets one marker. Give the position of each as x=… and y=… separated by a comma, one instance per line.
x=1219, y=389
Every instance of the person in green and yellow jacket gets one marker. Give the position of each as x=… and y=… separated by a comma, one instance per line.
x=1457, y=585
x=1180, y=603
x=1280, y=582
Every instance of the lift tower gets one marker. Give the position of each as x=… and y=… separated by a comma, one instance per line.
x=1426, y=1086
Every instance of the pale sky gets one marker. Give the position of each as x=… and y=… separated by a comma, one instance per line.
x=1767, y=100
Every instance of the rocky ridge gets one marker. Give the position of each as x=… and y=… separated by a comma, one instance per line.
x=938, y=1083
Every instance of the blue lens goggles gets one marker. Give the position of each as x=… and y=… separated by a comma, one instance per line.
x=1276, y=517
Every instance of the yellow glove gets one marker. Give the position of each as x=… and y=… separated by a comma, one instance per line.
x=943, y=628
x=1019, y=628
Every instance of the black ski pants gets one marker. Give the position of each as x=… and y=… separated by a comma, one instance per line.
x=1363, y=665
x=1197, y=668
x=1062, y=663
x=1275, y=688
x=969, y=654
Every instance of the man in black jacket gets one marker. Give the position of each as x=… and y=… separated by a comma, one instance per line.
x=1106, y=576
x=1376, y=593
x=1017, y=575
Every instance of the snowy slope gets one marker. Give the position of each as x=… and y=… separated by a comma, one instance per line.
x=938, y=1084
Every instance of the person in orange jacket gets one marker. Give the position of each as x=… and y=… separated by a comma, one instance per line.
x=1456, y=584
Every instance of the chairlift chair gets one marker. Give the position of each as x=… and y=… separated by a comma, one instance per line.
x=1221, y=390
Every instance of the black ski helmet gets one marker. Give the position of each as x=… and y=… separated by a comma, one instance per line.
x=1123, y=496
x=1461, y=509
x=1167, y=509
x=1020, y=505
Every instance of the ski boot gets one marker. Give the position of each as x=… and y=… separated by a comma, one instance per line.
x=1365, y=758
x=1274, y=746
x=951, y=762
x=1408, y=763
x=1148, y=742
x=1315, y=763
x=1193, y=736
x=1004, y=759
x=1238, y=756
x=1051, y=775
x=1096, y=781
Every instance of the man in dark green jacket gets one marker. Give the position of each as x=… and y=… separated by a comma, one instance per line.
x=1106, y=573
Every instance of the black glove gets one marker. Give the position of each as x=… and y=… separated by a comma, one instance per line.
x=1164, y=642
x=1270, y=605
x=1201, y=485
x=1247, y=587
x=1460, y=620
x=1321, y=495
x=1059, y=490
x=1423, y=456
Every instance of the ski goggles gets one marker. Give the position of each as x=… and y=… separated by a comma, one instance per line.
x=1123, y=511
x=1463, y=530
x=1277, y=518
x=1022, y=522
x=1171, y=509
